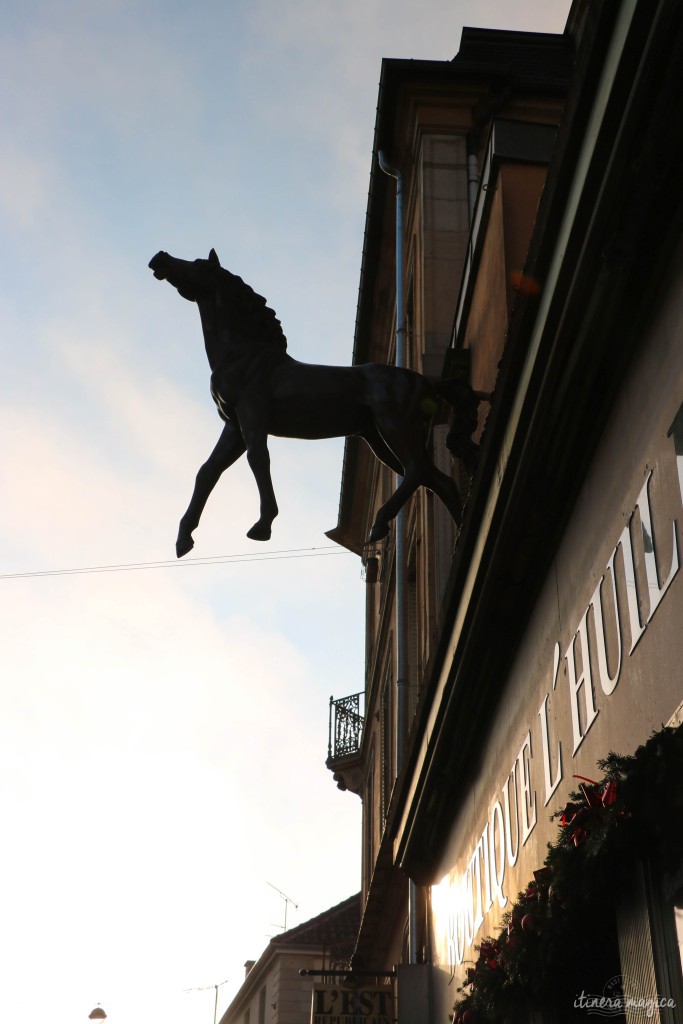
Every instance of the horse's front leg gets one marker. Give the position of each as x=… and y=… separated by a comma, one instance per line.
x=253, y=423
x=228, y=449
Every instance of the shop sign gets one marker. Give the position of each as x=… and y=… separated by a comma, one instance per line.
x=336, y=1004
x=513, y=812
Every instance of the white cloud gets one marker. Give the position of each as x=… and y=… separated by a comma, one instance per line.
x=93, y=60
x=23, y=185
x=156, y=746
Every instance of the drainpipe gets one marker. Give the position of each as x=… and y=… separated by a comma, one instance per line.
x=401, y=667
x=401, y=568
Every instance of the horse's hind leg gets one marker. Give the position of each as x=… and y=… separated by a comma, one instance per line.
x=381, y=449
x=408, y=445
x=407, y=453
x=390, y=508
x=446, y=489
x=228, y=449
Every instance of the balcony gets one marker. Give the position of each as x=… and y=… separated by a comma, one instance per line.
x=345, y=739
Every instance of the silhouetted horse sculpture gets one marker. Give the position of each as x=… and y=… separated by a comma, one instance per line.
x=260, y=390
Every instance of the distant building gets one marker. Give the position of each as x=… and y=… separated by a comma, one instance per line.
x=542, y=260
x=274, y=991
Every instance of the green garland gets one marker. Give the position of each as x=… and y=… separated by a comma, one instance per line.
x=565, y=917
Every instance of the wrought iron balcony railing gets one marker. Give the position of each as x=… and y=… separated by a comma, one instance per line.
x=346, y=728
x=345, y=739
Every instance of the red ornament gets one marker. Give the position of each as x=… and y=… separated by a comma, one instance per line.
x=579, y=837
x=568, y=814
x=529, y=924
x=609, y=794
x=583, y=777
x=591, y=794
x=542, y=876
x=468, y=1017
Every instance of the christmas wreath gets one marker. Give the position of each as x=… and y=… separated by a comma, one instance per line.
x=564, y=919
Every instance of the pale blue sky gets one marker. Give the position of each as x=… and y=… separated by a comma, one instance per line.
x=163, y=733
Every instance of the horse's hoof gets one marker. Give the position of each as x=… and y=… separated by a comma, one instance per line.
x=259, y=531
x=183, y=545
x=378, y=533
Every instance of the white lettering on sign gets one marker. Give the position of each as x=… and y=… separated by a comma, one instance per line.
x=497, y=855
x=550, y=785
x=512, y=855
x=580, y=681
x=655, y=589
x=512, y=817
x=527, y=795
x=608, y=683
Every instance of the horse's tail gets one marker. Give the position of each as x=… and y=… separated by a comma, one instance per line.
x=464, y=402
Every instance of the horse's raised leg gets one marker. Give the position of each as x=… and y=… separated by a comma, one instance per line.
x=228, y=449
x=253, y=424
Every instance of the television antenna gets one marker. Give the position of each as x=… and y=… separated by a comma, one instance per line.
x=205, y=988
x=287, y=900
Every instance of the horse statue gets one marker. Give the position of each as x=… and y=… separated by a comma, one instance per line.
x=259, y=390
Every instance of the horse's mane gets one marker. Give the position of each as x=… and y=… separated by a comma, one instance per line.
x=255, y=318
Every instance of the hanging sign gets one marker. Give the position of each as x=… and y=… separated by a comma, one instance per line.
x=334, y=1004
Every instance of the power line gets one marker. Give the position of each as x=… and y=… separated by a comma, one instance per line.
x=205, y=988
x=289, y=553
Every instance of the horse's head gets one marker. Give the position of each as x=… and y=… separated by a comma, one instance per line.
x=239, y=306
x=193, y=279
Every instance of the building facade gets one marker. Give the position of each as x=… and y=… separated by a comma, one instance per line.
x=543, y=260
x=274, y=990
